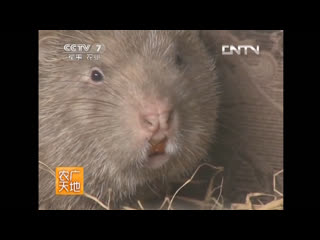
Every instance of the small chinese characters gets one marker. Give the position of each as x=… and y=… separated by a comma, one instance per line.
x=69, y=180
x=82, y=56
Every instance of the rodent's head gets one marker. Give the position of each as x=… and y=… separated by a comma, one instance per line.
x=146, y=109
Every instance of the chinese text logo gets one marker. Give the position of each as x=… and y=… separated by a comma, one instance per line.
x=69, y=180
x=89, y=52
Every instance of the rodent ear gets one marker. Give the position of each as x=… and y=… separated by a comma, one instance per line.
x=49, y=44
x=193, y=33
x=196, y=32
x=208, y=37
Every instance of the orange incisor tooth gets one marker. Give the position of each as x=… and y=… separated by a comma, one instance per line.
x=160, y=147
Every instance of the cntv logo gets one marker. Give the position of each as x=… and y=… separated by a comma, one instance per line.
x=230, y=49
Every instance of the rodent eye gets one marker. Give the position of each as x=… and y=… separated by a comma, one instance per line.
x=97, y=75
x=179, y=60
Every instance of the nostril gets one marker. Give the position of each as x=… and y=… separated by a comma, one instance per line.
x=169, y=119
x=166, y=119
x=149, y=122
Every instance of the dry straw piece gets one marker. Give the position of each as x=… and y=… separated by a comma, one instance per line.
x=209, y=202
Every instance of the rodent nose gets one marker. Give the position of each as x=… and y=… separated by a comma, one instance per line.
x=156, y=121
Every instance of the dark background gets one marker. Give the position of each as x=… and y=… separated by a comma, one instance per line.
x=20, y=118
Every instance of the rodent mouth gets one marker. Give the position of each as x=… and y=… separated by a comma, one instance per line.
x=158, y=148
x=157, y=155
